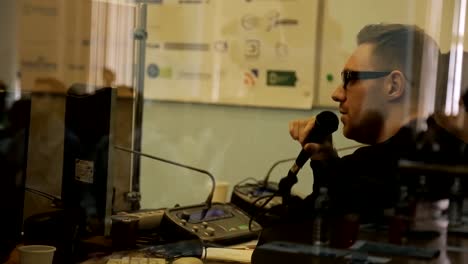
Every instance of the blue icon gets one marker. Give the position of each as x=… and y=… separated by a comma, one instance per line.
x=153, y=70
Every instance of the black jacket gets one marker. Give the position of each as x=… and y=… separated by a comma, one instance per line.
x=367, y=181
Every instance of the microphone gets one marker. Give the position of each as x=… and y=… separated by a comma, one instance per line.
x=325, y=124
x=212, y=178
x=266, y=181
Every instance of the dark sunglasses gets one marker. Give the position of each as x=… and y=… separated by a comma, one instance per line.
x=347, y=76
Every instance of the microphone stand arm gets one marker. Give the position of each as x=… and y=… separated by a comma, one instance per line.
x=210, y=196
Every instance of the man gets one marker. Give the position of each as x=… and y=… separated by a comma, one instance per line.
x=378, y=102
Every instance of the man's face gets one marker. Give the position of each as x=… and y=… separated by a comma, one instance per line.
x=362, y=102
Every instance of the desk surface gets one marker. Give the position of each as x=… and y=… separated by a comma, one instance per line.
x=453, y=247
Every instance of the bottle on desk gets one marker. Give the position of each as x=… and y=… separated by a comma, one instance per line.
x=400, y=221
x=455, y=210
x=423, y=204
x=320, y=229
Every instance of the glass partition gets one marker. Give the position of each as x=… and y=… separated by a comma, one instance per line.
x=336, y=128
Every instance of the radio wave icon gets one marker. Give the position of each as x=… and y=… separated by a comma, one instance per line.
x=250, y=77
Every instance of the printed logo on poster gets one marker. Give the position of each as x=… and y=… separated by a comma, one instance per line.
x=193, y=1
x=251, y=77
x=153, y=45
x=220, y=46
x=76, y=67
x=249, y=22
x=252, y=48
x=281, y=78
x=40, y=63
x=186, y=46
x=41, y=10
x=155, y=71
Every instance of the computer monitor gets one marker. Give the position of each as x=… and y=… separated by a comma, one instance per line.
x=87, y=183
x=15, y=113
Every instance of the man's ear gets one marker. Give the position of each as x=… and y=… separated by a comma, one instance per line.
x=395, y=85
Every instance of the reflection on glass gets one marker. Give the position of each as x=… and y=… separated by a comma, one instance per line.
x=223, y=79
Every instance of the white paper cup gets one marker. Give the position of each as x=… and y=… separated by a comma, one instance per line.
x=221, y=192
x=36, y=254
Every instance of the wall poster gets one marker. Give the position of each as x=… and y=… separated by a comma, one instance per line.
x=242, y=52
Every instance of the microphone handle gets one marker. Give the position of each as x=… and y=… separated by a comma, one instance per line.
x=318, y=135
x=285, y=185
x=301, y=159
x=325, y=124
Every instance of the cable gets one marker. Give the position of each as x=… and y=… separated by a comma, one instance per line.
x=270, y=197
x=243, y=181
x=265, y=183
x=56, y=200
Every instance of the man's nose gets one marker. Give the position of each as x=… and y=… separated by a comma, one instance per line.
x=338, y=94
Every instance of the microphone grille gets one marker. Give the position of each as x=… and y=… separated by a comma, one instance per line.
x=328, y=121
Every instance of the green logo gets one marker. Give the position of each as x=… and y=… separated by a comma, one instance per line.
x=165, y=72
x=281, y=78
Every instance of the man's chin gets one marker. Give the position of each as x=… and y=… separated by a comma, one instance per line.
x=355, y=135
x=347, y=133
x=343, y=118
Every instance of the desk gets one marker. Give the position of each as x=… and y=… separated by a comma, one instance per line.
x=241, y=253
x=453, y=248
x=456, y=252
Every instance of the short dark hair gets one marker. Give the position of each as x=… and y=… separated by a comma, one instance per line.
x=401, y=47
